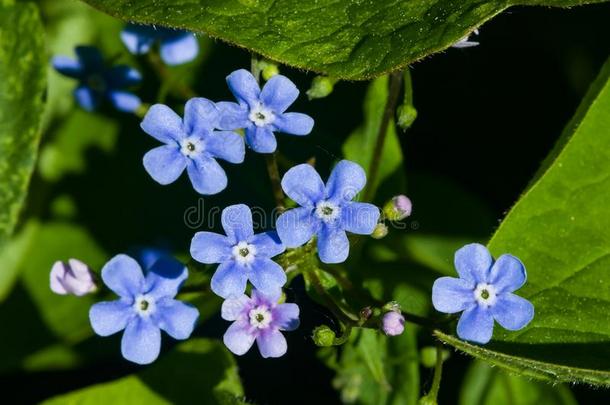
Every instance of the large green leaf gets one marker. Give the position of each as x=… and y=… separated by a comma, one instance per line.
x=22, y=84
x=199, y=370
x=560, y=229
x=350, y=39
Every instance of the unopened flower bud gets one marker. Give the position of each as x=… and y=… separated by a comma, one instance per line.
x=427, y=356
x=323, y=336
x=268, y=69
x=365, y=313
x=72, y=277
x=380, y=231
x=321, y=86
x=398, y=208
x=393, y=323
x=405, y=115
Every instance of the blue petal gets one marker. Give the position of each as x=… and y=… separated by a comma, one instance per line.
x=268, y=244
x=507, y=274
x=345, y=181
x=451, y=295
x=88, y=99
x=229, y=280
x=244, y=87
x=286, y=316
x=234, y=308
x=179, y=49
x=108, y=318
x=512, y=311
x=164, y=164
x=294, y=123
x=90, y=57
x=148, y=256
x=271, y=343
x=359, y=218
x=473, y=262
x=232, y=115
x=238, y=338
x=200, y=116
x=123, y=275
x=207, y=177
x=303, y=185
x=209, y=247
x=163, y=124
x=266, y=275
x=261, y=139
x=476, y=325
x=333, y=245
x=120, y=76
x=141, y=341
x=138, y=39
x=237, y=222
x=68, y=66
x=165, y=277
x=176, y=318
x=279, y=93
x=124, y=100
x=297, y=226
x=226, y=145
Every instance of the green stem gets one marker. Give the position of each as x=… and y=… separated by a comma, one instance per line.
x=388, y=113
x=330, y=302
x=180, y=88
x=438, y=371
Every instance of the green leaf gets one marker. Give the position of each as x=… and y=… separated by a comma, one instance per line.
x=360, y=145
x=484, y=385
x=346, y=39
x=199, y=370
x=23, y=70
x=560, y=229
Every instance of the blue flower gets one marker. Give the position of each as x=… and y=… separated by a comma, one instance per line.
x=176, y=46
x=326, y=211
x=262, y=112
x=192, y=144
x=484, y=292
x=145, y=307
x=259, y=318
x=98, y=82
x=242, y=255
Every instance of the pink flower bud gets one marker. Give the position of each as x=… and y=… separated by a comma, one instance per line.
x=393, y=323
x=402, y=205
x=73, y=277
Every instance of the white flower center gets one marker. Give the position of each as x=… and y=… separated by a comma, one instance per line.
x=327, y=211
x=261, y=116
x=260, y=317
x=244, y=253
x=191, y=146
x=144, y=305
x=485, y=294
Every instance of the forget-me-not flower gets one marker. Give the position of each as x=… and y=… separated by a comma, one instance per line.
x=242, y=255
x=175, y=46
x=191, y=144
x=72, y=277
x=145, y=307
x=97, y=81
x=484, y=292
x=262, y=112
x=326, y=210
x=259, y=318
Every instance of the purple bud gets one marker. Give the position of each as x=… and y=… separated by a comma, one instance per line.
x=73, y=277
x=402, y=205
x=393, y=323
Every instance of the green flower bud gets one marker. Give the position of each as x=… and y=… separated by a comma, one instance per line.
x=405, y=115
x=398, y=208
x=380, y=231
x=321, y=86
x=427, y=356
x=268, y=69
x=323, y=336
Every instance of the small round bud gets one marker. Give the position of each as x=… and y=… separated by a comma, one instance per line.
x=405, y=115
x=268, y=69
x=393, y=323
x=323, y=336
x=380, y=231
x=427, y=356
x=73, y=277
x=365, y=313
x=398, y=208
x=321, y=86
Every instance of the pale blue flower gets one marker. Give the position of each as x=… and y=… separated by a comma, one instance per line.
x=175, y=46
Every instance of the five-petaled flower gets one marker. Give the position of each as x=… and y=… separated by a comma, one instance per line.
x=242, y=255
x=97, y=81
x=192, y=143
x=146, y=305
x=484, y=292
x=175, y=46
x=326, y=211
x=259, y=318
x=262, y=112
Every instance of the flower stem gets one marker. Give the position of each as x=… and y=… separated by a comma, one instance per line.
x=388, y=113
x=438, y=371
x=164, y=74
